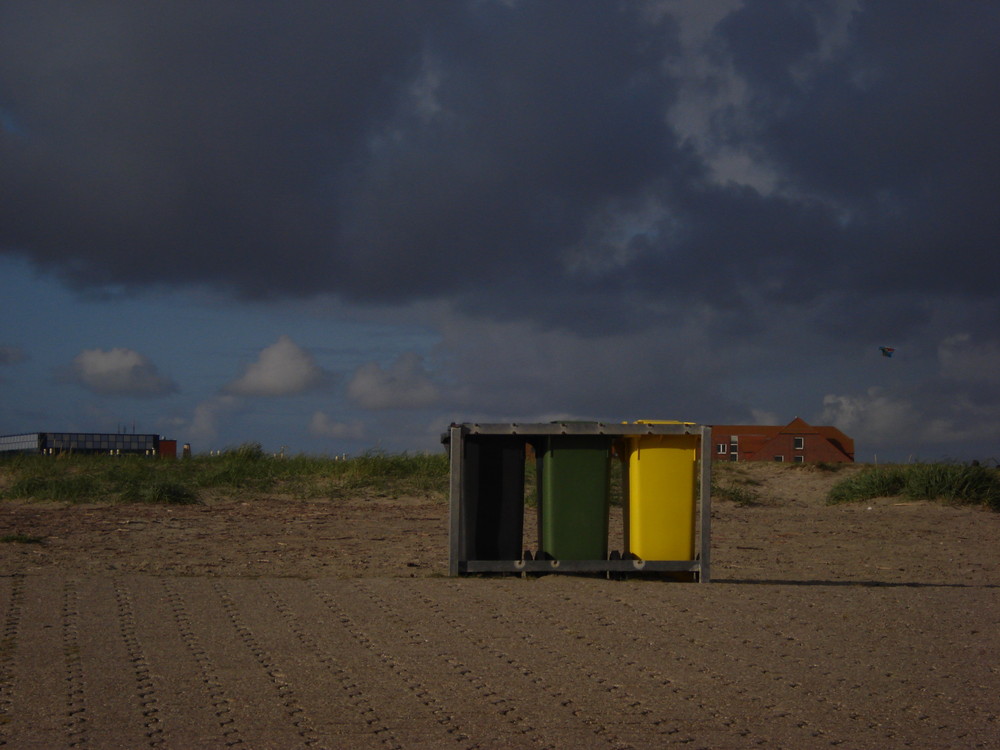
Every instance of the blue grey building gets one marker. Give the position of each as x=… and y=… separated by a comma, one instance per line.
x=85, y=442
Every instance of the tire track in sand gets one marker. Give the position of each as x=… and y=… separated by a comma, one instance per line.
x=304, y=725
x=403, y=651
x=221, y=703
x=540, y=706
x=363, y=705
x=8, y=649
x=145, y=687
x=76, y=704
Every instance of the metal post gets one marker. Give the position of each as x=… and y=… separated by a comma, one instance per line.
x=456, y=447
x=706, y=504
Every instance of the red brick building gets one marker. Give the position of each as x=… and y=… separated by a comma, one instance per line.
x=796, y=442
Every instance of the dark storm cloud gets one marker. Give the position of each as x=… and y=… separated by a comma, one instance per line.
x=532, y=118
x=517, y=158
x=373, y=149
x=896, y=134
x=169, y=143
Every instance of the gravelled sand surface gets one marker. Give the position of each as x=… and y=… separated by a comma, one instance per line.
x=825, y=627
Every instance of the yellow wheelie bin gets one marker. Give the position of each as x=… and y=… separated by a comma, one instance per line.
x=660, y=483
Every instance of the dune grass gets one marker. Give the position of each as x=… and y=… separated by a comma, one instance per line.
x=735, y=483
x=743, y=495
x=21, y=539
x=952, y=483
x=247, y=471
x=242, y=471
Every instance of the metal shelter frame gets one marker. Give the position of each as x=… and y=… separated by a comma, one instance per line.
x=459, y=502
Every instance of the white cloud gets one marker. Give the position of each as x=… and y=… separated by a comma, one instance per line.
x=205, y=422
x=709, y=93
x=322, y=425
x=11, y=354
x=877, y=418
x=282, y=369
x=713, y=109
x=405, y=385
x=514, y=370
x=763, y=416
x=872, y=416
x=119, y=371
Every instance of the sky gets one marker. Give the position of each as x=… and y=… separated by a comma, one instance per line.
x=332, y=228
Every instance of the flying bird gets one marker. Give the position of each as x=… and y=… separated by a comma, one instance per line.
x=886, y=351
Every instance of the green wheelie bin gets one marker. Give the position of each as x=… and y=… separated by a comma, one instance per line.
x=573, y=488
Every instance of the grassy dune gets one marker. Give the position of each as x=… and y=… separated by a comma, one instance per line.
x=248, y=471
x=243, y=470
x=952, y=483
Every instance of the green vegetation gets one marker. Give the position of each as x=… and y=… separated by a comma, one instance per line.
x=736, y=484
x=247, y=471
x=21, y=539
x=741, y=494
x=244, y=470
x=831, y=468
x=953, y=483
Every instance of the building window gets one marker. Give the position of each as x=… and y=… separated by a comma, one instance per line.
x=799, y=459
x=779, y=458
x=720, y=448
x=734, y=457
x=800, y=443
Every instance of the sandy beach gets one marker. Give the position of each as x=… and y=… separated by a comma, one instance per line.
x=272, y=622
